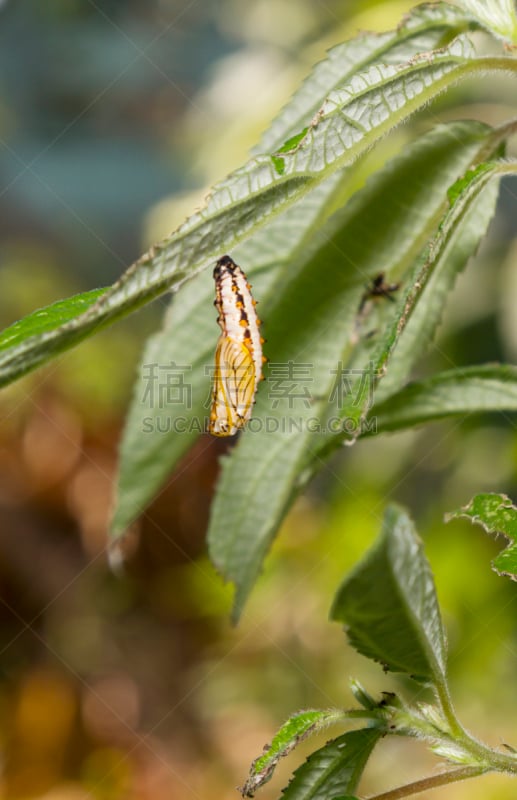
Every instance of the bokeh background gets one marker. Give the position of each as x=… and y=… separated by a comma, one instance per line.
x=115, y=117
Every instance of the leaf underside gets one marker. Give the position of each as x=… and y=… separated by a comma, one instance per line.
x=309, y=270
x=314, y=321
x=353, y=117
x=389, y=604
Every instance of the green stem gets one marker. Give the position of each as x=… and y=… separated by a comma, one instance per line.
x=504, y=63
x=429, y=783
x=493, y=759
x=444, y=697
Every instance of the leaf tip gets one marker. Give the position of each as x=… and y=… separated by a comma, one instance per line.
x=121, y=549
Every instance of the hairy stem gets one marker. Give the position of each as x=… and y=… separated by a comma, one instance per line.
x=452, y=776
x=444, y=698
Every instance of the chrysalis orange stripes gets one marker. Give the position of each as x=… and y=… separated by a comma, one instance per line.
x=238, y=355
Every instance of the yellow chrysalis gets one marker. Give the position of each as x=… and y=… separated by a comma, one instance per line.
x=238, y=355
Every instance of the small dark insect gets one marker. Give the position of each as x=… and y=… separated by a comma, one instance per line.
x=376, y=288
x=379, y=288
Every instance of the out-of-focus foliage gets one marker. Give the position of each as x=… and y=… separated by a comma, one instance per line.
x=135, y=685
x=392, y=614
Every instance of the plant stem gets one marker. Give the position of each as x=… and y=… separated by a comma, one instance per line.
x=452, y=776
x=444, y=697
x=493, y=759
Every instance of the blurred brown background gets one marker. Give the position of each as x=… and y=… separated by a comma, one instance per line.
x=135, y=685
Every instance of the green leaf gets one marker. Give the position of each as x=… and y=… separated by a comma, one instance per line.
x=297, y=728
x=454, y=192
x=497, y=16
x=438, y=251
x=157, y=434
x=408, y=323
x=335, y=769
x=422, y=31
x=374, y=100
x=496, y=514
x=448, y=262
x=362, y=696
x=350, y=121
x=390, y=607
x=457, y=392
x=167, y=412
x=465, y=237
x=312, y=318
x=48, y=319
x=425, y=28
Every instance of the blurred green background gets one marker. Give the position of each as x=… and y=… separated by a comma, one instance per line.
x=115, y=118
